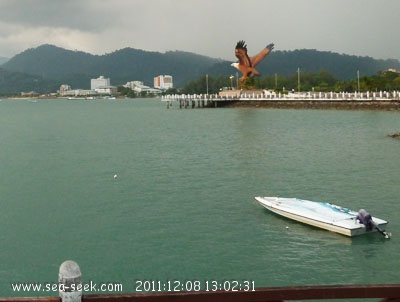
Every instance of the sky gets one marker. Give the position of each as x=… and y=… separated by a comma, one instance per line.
x=206, y=27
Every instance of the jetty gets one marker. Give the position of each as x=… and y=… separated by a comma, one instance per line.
x=270, y=99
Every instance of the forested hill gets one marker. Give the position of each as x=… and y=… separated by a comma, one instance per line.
x=3, y=60
x=341, y=66
x=76, y=68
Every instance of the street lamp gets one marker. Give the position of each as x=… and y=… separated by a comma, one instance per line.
x=207, y=82
x=237, y=80
x=298, y=79
x=231, y=77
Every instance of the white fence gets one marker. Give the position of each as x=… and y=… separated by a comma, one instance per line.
x=267, y=95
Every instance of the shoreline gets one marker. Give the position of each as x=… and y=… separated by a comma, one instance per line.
x=314, y=104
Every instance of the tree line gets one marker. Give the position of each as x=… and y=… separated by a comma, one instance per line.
x=304, y=81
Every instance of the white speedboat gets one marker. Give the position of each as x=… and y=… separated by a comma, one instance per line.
x=325, y=215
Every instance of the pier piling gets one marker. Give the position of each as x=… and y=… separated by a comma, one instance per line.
x=70, y=282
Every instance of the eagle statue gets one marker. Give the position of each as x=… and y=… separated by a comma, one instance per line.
x=246, y=64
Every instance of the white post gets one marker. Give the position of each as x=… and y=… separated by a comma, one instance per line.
x=207, y=82
x=70, y=282
x=298, y=79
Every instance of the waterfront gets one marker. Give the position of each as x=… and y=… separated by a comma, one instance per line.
x=381, y=100
x=182, y=206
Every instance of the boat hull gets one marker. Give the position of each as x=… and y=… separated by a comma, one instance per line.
x=321, y=215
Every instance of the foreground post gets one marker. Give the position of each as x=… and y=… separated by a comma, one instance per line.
x=70, y=282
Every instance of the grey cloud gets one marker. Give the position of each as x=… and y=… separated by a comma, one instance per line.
x=72, y=14
x=208, y=27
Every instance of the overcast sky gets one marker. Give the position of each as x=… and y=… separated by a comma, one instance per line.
x=207, y=27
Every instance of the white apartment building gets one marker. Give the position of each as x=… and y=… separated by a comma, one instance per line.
x=163, y=82
x=139, y=87
x=102, y=85
x=100, y=82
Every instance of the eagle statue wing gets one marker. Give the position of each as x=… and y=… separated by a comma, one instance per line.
x=261, y=55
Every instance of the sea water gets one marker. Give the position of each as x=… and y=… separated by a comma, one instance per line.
x=133, y=191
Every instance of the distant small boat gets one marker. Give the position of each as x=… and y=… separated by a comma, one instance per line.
x=77, y=98
x=325, y=215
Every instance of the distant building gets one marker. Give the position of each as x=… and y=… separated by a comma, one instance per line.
x=133, y=84
x=30, y=94
x=102, y=85
x=111, y=90
x=138, y=87
x=99, y=82
x=77, y=93
x=64, y=88
x=163, y=82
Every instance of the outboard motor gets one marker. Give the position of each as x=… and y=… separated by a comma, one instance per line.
x=365, y=218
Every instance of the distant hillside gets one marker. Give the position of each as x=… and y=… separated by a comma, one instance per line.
x=76, y=68
x=49, y=64
x=341, y=66
x=3, y=60
x=12, y=83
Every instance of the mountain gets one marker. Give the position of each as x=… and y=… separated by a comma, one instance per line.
x=76, y=68
x=50, y=66
x=3, y=60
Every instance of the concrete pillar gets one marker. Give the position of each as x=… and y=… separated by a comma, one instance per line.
x=70, y=282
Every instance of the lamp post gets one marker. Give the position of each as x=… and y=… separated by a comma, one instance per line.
x=231, y=77
x=207, y=82
x=237, y=80
x=298, y=79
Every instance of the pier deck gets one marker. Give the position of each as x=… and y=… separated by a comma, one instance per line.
x=317, y=100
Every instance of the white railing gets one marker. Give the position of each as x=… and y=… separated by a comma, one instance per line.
x=268, y=96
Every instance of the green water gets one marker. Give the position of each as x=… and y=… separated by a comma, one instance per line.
x=182, y=205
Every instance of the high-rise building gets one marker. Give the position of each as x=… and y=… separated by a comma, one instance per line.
x=163, y=82
x=100, y=82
